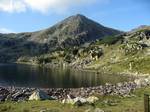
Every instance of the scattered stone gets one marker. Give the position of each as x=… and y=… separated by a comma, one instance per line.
x=39, y=95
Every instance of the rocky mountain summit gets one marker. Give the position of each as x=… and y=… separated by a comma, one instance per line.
x=74, y=30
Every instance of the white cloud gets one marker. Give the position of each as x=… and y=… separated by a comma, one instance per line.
x=5, y=30
x=12, y=6
x=43, y=6
x=57, y=6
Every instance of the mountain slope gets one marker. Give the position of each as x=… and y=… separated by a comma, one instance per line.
x=73, y=31
x=126, y=53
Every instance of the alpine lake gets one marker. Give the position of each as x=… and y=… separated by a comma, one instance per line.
x=22, y=75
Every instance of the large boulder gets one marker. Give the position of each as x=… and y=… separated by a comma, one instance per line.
x=39, y=95
x=92, y=99
x=141, y=82
x=75, y=101
x=79, y=100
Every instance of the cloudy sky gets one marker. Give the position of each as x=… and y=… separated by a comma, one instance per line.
x=32, y=15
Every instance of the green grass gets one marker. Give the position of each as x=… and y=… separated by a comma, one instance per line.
x=37, y=106
x=140, y=65
x=107, y=103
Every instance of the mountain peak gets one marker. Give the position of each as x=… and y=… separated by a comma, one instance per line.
x=74, y=30
x=78, y=16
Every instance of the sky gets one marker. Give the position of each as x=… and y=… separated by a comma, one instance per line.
x=33, y=15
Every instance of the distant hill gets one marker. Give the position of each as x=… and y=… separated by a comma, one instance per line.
x=73, y=31
x=141, y=27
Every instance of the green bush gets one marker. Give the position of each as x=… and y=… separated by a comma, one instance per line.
x=109, y=40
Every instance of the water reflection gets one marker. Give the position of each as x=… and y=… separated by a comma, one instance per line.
x=33, y=76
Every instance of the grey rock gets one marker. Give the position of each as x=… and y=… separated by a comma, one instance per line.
x=39, y=95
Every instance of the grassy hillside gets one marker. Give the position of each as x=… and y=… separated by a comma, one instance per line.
x=129, y=52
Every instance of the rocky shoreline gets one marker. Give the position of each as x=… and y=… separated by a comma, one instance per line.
x=124, y=89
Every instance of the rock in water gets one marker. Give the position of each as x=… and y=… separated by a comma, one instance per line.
x=39, y=95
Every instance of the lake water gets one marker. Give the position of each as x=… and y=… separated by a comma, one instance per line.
x=34, y=76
